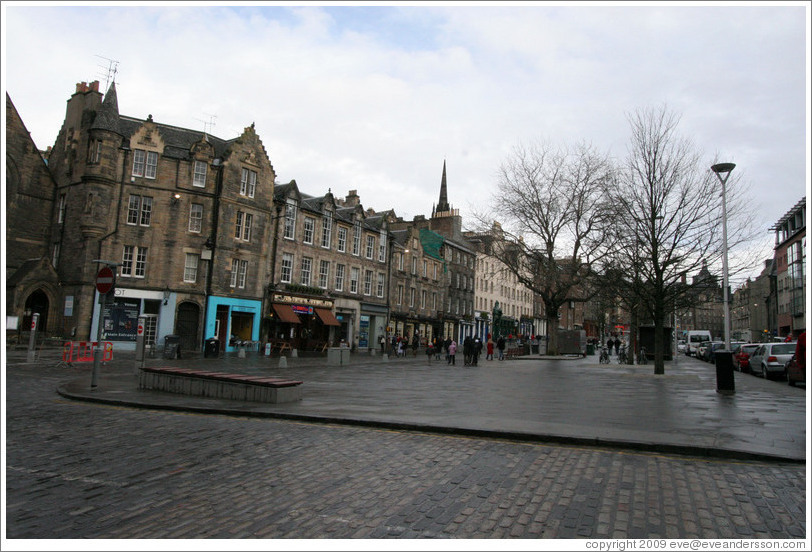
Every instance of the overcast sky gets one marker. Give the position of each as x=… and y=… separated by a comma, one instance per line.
x=377, y=98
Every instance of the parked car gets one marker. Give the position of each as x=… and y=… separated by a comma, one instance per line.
x=682, y=346
x=794, y=372
x=699, y=350
x=741, y=356
x=770, y=359
x=694, y=339
x=706, y=349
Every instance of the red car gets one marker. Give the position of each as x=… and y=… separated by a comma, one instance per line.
x=741, y=356
x=795, y=374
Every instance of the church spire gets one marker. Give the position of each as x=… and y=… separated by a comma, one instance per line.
x=442, y=205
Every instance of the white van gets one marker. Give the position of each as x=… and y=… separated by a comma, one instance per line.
x=693, y=338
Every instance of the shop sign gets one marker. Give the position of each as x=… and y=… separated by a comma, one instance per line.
x=308, y=301
x=301, y=309
x=121, y=319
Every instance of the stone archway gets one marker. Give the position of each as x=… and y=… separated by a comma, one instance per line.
x=36, y=302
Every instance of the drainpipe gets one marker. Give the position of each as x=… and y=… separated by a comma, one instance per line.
x=212, y=240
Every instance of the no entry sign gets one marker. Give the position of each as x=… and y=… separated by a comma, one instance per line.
x=105, y=280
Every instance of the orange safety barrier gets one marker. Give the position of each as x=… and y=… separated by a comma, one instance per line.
x=82, y=351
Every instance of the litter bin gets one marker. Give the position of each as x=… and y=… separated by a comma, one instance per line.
x=172, y=346
x=724, y=372
x=211, y=348
x=590, y=349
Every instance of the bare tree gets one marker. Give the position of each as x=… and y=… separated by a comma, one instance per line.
x=555, y=224
x=669, y=213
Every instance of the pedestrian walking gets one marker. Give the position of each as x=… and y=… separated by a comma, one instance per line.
x=489, y=348
x=609, y=345
x=467, y=350
x=500, y=346
x=436, y=344
x=402, y=348
x=415, y=343
x=429, y=353
x=477, y=351
x=382, y=341
x=617, y=346
x=452, y=353
x=446, y=345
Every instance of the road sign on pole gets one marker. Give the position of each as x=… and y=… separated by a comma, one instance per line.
x=105, y=280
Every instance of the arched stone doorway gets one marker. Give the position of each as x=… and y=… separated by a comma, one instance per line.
x=37, y=302
x=187, y=326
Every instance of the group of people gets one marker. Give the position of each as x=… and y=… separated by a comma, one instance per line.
x=472, y=347
x=616, y=343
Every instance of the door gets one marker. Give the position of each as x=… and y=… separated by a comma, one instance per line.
x=187, y=326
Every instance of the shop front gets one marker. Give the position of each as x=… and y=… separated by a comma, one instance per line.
x=404, y=325
x=371, y=325
x=120, y=317
x=234, y=322
x=302, y=322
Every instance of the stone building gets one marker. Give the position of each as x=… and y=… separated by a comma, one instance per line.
x=32, y=284
x=183, y=216
x=790, y=267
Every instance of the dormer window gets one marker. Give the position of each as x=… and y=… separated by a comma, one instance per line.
x=145, y=163
x=326, y=229
x=248, y=183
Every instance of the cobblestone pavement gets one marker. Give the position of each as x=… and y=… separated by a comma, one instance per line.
x=83, y=470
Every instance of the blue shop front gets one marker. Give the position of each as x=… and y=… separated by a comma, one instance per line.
x=234, y=322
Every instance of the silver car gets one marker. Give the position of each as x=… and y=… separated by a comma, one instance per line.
x=770, y=358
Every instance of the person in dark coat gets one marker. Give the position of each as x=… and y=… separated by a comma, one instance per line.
x=467, y=350
x=477, y=351
x=500, y=346
x=617, y=346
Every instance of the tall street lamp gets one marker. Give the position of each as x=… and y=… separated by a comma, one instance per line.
x=723, y=171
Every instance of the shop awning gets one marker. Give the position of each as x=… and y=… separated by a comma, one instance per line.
x=327, y=317
x=286, y=313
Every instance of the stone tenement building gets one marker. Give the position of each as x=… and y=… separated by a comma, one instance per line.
x=205, y=243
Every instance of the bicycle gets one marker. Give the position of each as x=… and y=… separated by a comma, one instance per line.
x=621, y=356
x=604, y=358
x=642, y=358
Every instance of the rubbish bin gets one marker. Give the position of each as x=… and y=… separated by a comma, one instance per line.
x=590, y=349
x=172, y=346
x=211, y=348
x=724, y=372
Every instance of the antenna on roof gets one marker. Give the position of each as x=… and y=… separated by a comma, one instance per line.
x=109, y=72
x=208, y=125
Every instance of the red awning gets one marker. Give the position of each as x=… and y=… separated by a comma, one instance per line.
x=286, y=313
x=327, y=317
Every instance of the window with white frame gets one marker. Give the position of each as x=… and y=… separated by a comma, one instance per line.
x=242, y=230
x=309, y=227
x=139, y=210
x=239, y=271
x=342, y=239
x=414, y=264
x=290, y=221
x=55, y=258
x=248, y=182
x=411, y=297
x=425, y=268
x=354, y=276
x=400, y=261
x=434, y=301
x=134, y=261
x=145, y=163
x=423, y=294
x=382, y=247
x=340, y=277
x=367, y=282
x=380, y=284
x=326, y=229
x=190, y=268
x=151, y=169
x=307, y=270
x=94, y=151
x=287, y=268
x=356, y=238
x=370, y=246
x=435, y=270
x=324, y=274
x=400, y=294
x=199, y=177
x=196, y=217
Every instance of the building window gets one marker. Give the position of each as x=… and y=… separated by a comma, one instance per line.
x=435, y=270
x=138, y=162
x=196, y=218
x=60, y=218
x=199, y=179
x=370, y=246
x=400, y=294
x=248, y=182
x=309, y=226
x=340, y=277
x=423, y=299
x=190, y=268
x=434, y=301
x=239, y=270
x=287, y=268
x=382, y=247
x=425, y=268
x=326, y=230
x=139, y=210
x=414, y=264
x=411, y=297
x=380, y=284
x=242, y=229
x=152, y=165
x=290, y=221
x=324, y=273
x=367, y=282
x=354, y=275
x=400, y=261
x=94, y=152
x=134, y=261
x=356, y=238
x=342, y=239
x=55, y=258
x=307, y=270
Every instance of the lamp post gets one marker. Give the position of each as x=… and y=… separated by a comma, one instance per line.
x=722, y=171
